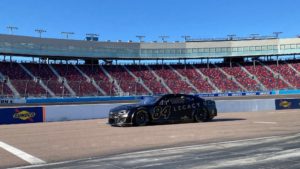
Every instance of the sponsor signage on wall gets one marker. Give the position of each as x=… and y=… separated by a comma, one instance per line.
x=282, y=104
x=11, y=101
x=21, y=115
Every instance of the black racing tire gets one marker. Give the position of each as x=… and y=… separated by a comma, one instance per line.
x=211, y=116
x=141, y=118
x=200, y=115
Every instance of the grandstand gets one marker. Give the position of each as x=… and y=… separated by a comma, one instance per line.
x=248, y=64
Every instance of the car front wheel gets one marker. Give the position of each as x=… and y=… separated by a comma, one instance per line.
x=141, y=118
x=200, y=116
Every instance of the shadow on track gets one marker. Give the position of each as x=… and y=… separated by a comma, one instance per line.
x=225, y=120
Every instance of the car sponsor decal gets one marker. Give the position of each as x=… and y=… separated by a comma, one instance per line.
x=159, y=112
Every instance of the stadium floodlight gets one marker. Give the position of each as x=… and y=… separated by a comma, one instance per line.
x=92, y=35
x=231, y=36
x=163, y=38
x=254, y=35
x=11, y=28
x=277, y=34
x=67, y=34
x=140, y=37
x=186, y=37
x=40, y=31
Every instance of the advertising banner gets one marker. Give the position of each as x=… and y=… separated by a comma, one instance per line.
x=22, y=115
x=12, y=101
x=282, y=104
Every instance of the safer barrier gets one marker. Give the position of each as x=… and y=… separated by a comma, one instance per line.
x=224, y=106
x=95, y=111
x=77, y=112
x=282, y=104
x=22, y=115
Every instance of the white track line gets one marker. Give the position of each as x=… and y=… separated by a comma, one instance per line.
x=265, y=122
x=21, y=154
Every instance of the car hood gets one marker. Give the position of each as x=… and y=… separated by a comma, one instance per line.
x=124, y=107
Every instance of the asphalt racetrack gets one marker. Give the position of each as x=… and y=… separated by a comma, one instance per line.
x=232, y=140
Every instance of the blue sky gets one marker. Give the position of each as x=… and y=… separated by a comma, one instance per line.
x=123, y=19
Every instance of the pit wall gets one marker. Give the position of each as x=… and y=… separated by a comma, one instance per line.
x=96, y=111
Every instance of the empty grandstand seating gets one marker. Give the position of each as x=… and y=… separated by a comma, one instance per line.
x=96, y=74
x=241, y=76
x=267, y=73
x=176, y=84
x=286, y=72
x=194, y=77
x=4, y=90
x=23, y=83
x=218, y=78
x=77, y=82
x=267, y=78
x=44, y=73
x=125, y=80
x=148, y=78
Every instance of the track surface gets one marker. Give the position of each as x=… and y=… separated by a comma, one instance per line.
x=268, y=153
x=61, y=141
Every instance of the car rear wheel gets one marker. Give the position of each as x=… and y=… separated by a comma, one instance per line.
x=200, y=116
x=211, y=115
x=141, y=118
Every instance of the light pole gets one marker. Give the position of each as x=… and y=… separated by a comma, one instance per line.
x=67, y=34
x=277, y=34
x=92, y=36
x=163, y=38
x=186, y=37
x=254, y=35
x=11, y=28
x=278, y=42
x=140, y=37
x=40, y=31
x=231, y=36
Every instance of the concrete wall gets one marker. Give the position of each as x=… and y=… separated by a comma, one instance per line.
x=77, y=112
x=224, y=106
x=94, y=111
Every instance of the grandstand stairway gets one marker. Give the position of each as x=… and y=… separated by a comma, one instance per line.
x=92, y=81
x=185, y=79
x=159, y=79
x=138, y=80
x=253, y=76
x=144, y=74
x=40, y=82
x=64, y=81
x=204, y=77
x=9, y=85
x=277, y=75
x=293, y=68
x=111, y=79
x=231, y=77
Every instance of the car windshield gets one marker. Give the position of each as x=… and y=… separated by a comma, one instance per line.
x=149, y=100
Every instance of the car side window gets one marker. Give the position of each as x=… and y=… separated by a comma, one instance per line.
x=189, y=100
x=177, y=100
x=164, y=102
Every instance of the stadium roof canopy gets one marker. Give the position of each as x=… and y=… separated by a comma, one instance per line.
x=64, y=48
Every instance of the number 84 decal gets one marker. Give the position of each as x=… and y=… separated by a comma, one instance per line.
x=159, y=111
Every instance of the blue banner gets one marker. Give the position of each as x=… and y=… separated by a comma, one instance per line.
x=21, y=115
x=234, y=94
x=282, y=104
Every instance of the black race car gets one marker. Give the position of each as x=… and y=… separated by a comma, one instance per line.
x=169, y=108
